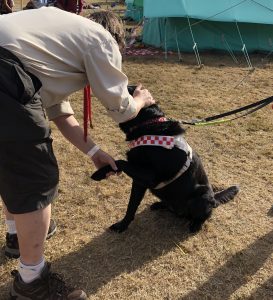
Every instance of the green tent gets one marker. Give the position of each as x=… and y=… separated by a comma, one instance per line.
x=134, y=9
x=199, y=25
x=138, y=3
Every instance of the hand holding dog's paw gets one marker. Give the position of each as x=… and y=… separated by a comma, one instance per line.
x=119, y=227
x=102, y=173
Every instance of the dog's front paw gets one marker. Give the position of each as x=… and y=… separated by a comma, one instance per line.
x=119, y=227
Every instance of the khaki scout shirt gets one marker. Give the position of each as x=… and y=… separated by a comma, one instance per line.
x=66, y=52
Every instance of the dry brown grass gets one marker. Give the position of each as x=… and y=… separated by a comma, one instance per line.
x=156, y=258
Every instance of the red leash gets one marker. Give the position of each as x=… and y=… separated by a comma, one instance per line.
x=87, y=111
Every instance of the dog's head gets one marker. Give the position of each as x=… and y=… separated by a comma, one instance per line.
x=150, y=120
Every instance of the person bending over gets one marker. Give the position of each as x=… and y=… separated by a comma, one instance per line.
x=41, y=66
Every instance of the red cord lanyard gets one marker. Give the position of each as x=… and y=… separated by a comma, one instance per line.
x=87, y=111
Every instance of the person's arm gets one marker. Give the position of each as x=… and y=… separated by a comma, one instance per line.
x=109, y=83
x=71, y=130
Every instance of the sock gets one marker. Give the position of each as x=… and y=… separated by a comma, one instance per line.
x=11, y=227
x=30, y=273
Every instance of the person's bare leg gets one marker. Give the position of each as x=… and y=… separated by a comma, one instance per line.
x=32, y=229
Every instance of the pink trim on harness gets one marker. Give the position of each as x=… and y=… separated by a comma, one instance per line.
x=153, y=140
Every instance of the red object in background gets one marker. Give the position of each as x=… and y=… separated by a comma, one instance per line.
x=73, y=6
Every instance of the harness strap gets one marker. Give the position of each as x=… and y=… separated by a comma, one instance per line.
x=182, y=171
x=153, y=140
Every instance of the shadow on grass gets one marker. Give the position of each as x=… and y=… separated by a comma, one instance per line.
x=264, y=289
x=151, y=235
x=3, y=258
x=4, y=286
x=236, y=272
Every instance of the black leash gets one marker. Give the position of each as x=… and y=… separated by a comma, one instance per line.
x=214, y=119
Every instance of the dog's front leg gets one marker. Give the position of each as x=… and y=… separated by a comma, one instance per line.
x=137, y=194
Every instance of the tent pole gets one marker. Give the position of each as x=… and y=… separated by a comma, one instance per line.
x=229, y=49
x=244, y=50
x=177, y=44
x=195, y=48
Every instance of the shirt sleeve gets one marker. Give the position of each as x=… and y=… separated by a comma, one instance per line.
x=62, y=109
x=108, y=83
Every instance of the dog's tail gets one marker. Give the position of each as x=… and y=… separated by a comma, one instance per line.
x=226, y=195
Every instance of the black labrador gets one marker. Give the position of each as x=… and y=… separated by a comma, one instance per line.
x=160, y=160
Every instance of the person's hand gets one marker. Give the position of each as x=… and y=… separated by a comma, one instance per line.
x=143, y=97
x=101, y=159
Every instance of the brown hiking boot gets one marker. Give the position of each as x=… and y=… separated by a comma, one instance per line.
x=49, y=286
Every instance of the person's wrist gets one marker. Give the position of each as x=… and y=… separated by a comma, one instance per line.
x=140, y=103
x=93, y=151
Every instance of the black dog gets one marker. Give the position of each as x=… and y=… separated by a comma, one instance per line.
x=162, y=161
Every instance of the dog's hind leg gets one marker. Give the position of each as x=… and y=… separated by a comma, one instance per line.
x=226, y=195
x=137, y=194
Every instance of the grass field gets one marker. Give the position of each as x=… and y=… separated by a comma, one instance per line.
x=156, y=258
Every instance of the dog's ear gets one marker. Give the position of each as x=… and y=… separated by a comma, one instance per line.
x=141, y=175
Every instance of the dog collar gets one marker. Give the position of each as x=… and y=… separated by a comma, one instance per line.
x=156, y=120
